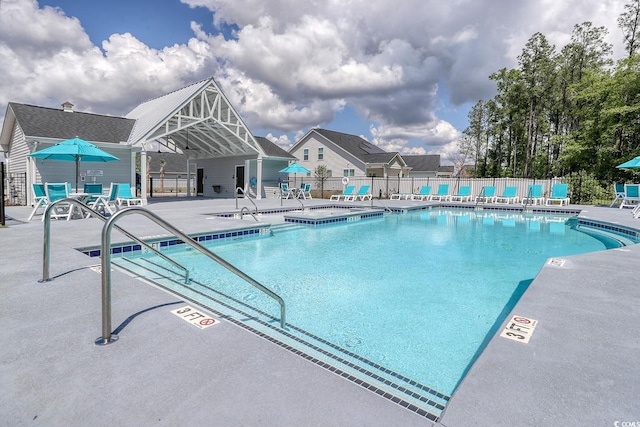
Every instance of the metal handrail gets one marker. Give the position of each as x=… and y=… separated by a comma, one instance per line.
x=526, y=199
x=385, y=207
x=244, y=208
x=246, y=197
x=46, y=253
x=107, y=337
x=480, y=196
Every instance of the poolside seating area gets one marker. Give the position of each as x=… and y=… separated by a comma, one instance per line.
x=92, y=194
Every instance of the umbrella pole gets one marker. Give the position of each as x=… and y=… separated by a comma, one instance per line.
x=77, y=168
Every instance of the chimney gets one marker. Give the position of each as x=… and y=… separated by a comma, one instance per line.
x=68, y=107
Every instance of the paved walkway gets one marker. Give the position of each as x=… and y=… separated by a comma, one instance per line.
x=580, y=367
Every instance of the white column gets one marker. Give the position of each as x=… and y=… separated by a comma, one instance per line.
x=259, y=178
x=143, y=174
x=188, y=178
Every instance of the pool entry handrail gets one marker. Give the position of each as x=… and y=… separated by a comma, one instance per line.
x=46, y=252
x=246, y=196
x=526, y=200
x=107, y=337
x=244, y=208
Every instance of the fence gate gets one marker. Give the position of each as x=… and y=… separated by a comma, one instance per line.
x=17, y=189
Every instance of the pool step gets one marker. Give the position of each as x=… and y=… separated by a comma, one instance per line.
x=391, y=385
x=285, y=226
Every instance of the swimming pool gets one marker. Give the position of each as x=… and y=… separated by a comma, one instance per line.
x=416, y=294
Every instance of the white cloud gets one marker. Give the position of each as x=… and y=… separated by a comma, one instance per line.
x=293, y=65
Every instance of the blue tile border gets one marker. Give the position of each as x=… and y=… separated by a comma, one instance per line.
x=169, y=242
x=353, y=216
x=630, y=233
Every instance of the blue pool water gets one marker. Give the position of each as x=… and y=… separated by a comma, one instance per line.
x=419, y=293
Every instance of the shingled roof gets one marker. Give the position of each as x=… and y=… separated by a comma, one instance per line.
x=424, y=163
x=59, y=124
x=355, y=145
x=271, y=149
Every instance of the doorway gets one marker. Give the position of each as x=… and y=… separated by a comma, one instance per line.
x=239, y=178
x=200, y=182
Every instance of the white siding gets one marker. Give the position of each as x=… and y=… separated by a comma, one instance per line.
x=18, y=152
x=334, y=158
x=220, y=172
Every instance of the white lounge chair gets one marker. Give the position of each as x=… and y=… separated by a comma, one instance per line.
x=618, y=191
x=442, y=194
x=509, y=195
x=125, y=197
x=631, y=196
x=424, y=193
x=487, y=194
x=108, y=203
x=463, y=195
x=363, y=193
x=534, y=195
x=347, y=192
x=559, y=194
x=40, y=199
x=57, y=191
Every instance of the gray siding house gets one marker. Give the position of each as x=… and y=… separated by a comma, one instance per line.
x=346, y=155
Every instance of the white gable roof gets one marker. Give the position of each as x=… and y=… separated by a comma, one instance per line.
x=197, y=119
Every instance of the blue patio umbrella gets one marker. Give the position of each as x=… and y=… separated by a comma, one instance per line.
x=295, y=168
x=631, y=164
x=74, y=150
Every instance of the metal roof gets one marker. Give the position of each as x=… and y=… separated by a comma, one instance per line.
x=197, y=120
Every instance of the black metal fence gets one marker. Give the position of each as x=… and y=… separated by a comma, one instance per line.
x=16, y=189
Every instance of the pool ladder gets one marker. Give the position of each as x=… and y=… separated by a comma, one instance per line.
x=109, y=223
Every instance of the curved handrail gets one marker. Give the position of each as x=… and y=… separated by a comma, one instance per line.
x=526, y=200
x=46, y=253
x=246, y=197
x=107, y=337
x=244, y=208
x=480, y=196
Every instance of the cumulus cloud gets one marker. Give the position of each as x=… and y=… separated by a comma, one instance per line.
x=290, y=66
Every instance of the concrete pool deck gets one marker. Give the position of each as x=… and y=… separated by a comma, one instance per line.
x=579, y=368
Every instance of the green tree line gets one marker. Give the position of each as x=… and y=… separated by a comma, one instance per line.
x=567, y=113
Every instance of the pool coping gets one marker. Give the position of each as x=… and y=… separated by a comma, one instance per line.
x=53, y=326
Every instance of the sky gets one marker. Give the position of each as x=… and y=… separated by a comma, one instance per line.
x=401, y=74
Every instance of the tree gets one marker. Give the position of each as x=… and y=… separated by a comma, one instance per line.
x=537, y=63
x=321, y=174
x=629, y=22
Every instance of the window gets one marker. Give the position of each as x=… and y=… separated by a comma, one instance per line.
x=329, y=173
x=349, y=172
x=305, y=155
x=320, y=153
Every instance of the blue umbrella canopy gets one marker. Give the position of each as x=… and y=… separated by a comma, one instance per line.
x=631, y=164
x=74, y=150
x=295, y=168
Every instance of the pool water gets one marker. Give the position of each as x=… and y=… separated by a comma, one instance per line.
x=420, y=293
